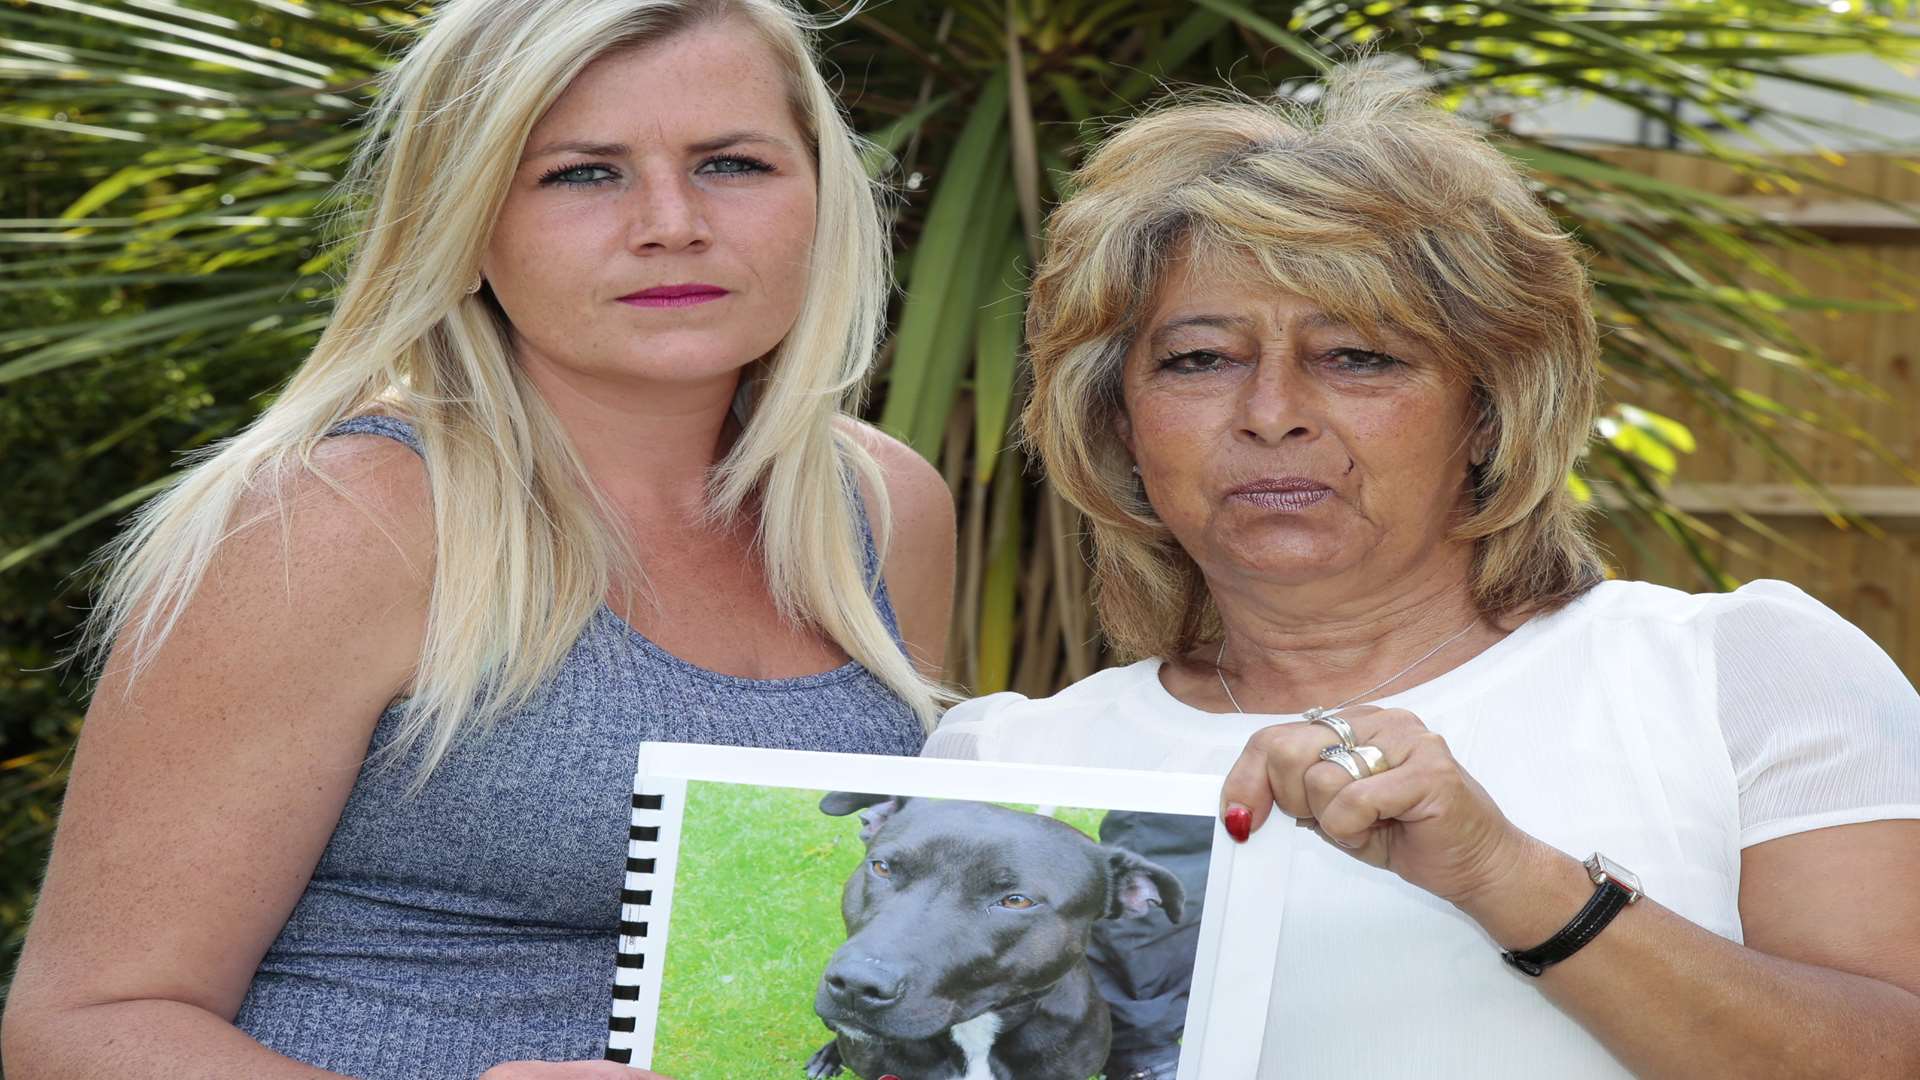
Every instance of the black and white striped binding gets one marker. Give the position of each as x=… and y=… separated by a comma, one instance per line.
x=646, y=897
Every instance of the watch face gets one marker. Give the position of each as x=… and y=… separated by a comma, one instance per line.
x=1602, y=870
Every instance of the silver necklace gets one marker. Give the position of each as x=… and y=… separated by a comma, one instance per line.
x=1319, y=711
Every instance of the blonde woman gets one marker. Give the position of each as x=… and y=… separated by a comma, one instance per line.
x=1317, y=378
x=568, y=470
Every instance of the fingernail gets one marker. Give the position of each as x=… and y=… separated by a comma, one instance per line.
x=1239, y=822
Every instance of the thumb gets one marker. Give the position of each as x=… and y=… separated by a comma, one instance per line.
x=1246, y=796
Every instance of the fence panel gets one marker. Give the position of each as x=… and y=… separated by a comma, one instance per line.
x=1771, y=528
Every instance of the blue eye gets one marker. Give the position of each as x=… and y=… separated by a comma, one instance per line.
x=733, y=165
x=578, y=175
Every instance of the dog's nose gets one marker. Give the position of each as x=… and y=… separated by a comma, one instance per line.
x=864, y=984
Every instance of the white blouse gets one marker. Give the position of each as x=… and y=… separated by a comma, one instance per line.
x=1664, y=729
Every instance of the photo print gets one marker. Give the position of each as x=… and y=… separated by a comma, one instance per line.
x=791, y=914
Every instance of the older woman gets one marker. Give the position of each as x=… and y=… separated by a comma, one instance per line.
x=569, y=469
x=1317, y=380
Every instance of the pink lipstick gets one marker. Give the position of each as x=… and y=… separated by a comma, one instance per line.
x=1282, y=493
x=673, y=296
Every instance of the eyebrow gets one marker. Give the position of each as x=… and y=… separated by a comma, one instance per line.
x=735, y=138
x=1319, y=320
x=617, y=149
x=1190, y=322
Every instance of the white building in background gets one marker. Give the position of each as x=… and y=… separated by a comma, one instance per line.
x=1845, y=123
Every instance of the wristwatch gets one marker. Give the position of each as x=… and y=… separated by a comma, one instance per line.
x=1615, y=887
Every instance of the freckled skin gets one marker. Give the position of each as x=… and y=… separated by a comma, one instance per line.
x=1232, y=380
x=579, y=229
x=938, y=917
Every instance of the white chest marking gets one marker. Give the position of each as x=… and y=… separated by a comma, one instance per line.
x=975, y=1038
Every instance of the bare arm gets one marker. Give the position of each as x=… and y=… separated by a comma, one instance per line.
x=1827, y=984
x=202, y=796
x=919, y=547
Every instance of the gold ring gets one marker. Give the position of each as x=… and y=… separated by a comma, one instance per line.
x=1372, y=758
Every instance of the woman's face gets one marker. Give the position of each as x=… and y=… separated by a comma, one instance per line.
x=659, y=224
x=1284, y=447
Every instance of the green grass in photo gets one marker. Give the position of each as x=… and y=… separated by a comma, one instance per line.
x=756, y=915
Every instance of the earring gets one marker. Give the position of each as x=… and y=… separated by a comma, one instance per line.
x=474, y=285
x=1136, y=469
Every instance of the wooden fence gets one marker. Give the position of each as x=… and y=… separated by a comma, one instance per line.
x=1770, y=527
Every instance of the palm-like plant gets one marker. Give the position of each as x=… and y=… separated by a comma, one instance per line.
x=171, y=162
x=1019, y=90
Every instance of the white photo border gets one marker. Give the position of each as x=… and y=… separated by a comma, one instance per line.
x=1232, y=981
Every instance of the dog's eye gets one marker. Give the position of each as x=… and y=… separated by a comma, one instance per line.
x=1017, y=902
x=881, y=868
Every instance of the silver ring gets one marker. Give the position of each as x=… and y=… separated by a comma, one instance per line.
x=1336, y=725
x=1372, y=757
x=1344, y=758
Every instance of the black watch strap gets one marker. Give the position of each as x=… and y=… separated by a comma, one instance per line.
x=1609, y=899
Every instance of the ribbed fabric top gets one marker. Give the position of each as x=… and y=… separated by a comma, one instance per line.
x=475, y=922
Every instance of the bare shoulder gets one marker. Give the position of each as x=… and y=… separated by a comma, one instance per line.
x=333, y=551
x=916, y=492
x=361, y=484
x=918, y=541
x=343, y=537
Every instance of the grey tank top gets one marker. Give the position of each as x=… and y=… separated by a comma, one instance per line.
x=475, y=922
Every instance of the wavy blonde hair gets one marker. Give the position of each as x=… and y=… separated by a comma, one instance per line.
x=1387, y=212
x=525, y=547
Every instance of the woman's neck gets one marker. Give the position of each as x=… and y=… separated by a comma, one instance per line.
x=1283, y=656
x=649, y=446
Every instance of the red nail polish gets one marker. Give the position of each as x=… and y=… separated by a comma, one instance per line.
x=889, y=1076
x=1239, y=822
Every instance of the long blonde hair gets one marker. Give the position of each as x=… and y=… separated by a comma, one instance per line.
x=1384, y=210
x=525, y=548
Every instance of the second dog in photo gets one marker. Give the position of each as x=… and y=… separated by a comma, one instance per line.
x=967, y=931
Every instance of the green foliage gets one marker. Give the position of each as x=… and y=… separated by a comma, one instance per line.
x=169, y=170
x=738, y=981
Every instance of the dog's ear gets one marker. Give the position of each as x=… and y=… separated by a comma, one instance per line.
x=842, y=803
x=1135, y=886
x=878, y=808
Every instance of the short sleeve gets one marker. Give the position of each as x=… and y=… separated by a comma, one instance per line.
x=1822, y=727
x=966, y=731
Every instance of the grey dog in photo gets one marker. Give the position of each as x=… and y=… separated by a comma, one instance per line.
x=967, y=928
